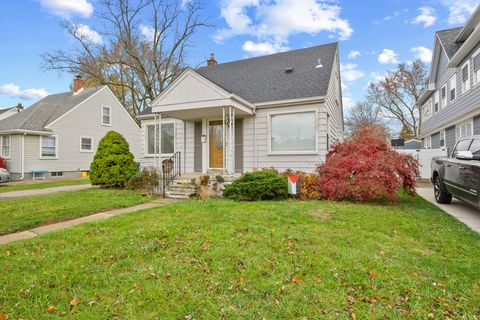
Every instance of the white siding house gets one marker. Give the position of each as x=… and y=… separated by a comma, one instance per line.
x=60, y=133
x=282, y=110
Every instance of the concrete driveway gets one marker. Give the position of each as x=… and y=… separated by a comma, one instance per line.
x=458, y=209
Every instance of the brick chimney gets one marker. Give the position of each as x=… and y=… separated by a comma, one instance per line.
x=77, y=84
x=211, y=61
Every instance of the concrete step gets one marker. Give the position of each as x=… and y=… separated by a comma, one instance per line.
x=176, y=196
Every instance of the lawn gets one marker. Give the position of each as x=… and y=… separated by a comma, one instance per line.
x=35, y=185
x=29, y=212
x=274, y=260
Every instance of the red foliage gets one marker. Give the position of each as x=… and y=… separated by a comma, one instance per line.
x=364, y=167
x=3, y=163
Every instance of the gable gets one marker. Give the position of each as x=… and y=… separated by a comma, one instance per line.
x=190, y=87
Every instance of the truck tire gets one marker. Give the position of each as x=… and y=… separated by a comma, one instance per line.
x=441, y=194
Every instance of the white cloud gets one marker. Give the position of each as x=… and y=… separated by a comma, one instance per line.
x=348, y=103
x=422, y=53
x=354, y=54
x=67, y=8
x=88, y=34
x=350, y=72
x=459, y=10
x=13, y=91
x=427, y=17
x=387, y=56
x=275, y=21
x=147, y=32
x=262, y=48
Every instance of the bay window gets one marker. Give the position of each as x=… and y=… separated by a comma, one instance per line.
x=168, y=138
x=293, y=132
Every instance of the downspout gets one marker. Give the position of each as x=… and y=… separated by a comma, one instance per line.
x=23, y=156
x=255, y=160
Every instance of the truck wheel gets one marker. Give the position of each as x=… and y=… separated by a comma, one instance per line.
x=441, y=195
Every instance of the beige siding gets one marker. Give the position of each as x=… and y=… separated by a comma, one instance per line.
x=189, y=146
x=14, y=162
x=281, y=162
x=84, y=120
x=333, y=101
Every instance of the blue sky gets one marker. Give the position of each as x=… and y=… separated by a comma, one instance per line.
x=373, y=36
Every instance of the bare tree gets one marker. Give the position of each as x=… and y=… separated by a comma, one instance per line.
x=365, y=114
x=143, y=47
x=397, y=94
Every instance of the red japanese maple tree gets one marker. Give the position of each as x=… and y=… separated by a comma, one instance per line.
x=365, y=167
x=3, y=163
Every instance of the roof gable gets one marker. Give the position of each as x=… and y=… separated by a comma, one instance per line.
x=448, y=41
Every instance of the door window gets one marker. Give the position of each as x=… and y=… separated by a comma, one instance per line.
x=462, y=145
x=475, y=149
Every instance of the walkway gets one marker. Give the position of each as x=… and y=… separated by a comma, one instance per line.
x=37, y=192
x=94, y=217
x=458, y=209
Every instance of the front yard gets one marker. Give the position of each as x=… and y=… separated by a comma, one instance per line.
x=278, y=260
x=29, y=212
x=35, y=185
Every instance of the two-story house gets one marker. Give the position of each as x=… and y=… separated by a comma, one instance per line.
x=451, y=103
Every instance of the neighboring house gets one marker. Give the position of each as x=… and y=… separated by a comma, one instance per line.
x=451, y=103
x=60, y=133
x=8, y=112
x=282, y=110
x=412, y=144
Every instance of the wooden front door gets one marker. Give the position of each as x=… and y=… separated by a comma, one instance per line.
x=215, y=136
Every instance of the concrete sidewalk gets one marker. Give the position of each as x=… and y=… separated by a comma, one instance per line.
x=37, y=192
x=94, y=217
x=458, y=209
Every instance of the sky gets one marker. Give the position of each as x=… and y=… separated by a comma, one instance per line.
x=373, y=36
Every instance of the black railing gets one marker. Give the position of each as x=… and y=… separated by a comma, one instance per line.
x=171, y=168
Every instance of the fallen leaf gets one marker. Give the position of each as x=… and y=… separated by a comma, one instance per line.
x=75, y=301
x=440, y=284
x=51, y=309
x=3, y=316
x=205, y=245
x=354, y=316
x=277, y=302
x=296, y=280
x=189, y=317
x=91, y=303
x=382, y=253
x=168, y=276
x=373, y=275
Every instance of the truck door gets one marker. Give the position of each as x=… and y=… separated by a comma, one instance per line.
x=452, y=170
x=469, y=173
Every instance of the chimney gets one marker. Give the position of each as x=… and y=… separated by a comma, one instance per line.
x=211, y=61
x=77, y=84
x=19, y=107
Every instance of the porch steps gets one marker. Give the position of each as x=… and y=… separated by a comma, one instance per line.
x=180, y=189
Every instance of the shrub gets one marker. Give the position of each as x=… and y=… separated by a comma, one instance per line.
x=146, y=180
x=204, y=180
x=3, y=163
x=220, y=179
x=259, y=185
x=113, y=163
x=309, y=189
x=364, y=167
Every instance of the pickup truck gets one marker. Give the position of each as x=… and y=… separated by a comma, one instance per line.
x=459, y=174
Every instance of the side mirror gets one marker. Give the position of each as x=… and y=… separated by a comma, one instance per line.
x=464, y=155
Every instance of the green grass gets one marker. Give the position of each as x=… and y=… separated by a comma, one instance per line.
x=227, y=260
x=29, y=212
x=35, y=185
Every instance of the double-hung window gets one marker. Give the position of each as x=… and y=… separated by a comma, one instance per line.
x=453, y=87
x=427, y=109
x=442, y=138
x=5, y=145
x=86, y=144
x=466, y=77
x=106, y=116
x=427, y=142
x=293, y=132
x=464, y=129
x=436, y=102
x=168, y=138
x=443, y=94
x=476, y=68
x=48, y=146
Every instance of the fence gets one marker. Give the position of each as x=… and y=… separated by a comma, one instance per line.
x=424, y=158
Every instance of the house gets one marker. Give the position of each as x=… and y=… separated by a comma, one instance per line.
x=282, y=110
x=451, y=103
x=60, y=133
x=7, y=112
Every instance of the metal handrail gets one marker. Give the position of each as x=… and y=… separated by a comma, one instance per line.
x=171, y=168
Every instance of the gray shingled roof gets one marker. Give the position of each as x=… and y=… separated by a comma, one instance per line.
x=145, y=112
x=263, y=79
x=45, y=111
x=5, y=110
x=447, y=37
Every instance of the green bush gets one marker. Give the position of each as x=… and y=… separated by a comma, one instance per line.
x=146, y=180
x=259, y=185
x=113, y=163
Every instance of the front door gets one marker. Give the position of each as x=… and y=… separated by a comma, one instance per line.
x=215, y=138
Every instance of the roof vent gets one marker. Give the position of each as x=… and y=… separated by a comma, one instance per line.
x=289, y=70
x=319, y=65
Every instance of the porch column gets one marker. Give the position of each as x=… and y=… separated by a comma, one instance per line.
x=229, y=140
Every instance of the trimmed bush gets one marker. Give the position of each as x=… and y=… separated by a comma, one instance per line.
x=113, y=163
x=365, y=168
x=259, y=185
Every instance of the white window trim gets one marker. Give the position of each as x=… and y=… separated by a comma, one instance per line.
x=9, y=144
x=428, y=142
x=450, y=87
x=152, y=123
x=56, y=149
x=436, y=99
x=110, y=113
x=444, y=102
x=475, y=81
x=444, y=139
x=306, y=152
x=83, y=150
x=428, y=105
x=469, y=121
x=464, y=90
